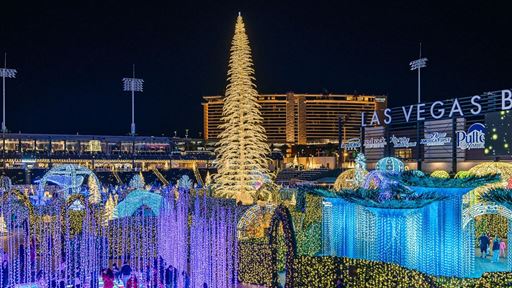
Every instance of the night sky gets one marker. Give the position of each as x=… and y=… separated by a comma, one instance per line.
x=71, y=58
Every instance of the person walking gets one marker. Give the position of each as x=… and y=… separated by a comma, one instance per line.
x=132, y=282
x=490, y=244
x=5, y=273
x=496, y=250
x=503, y=246
x=126, y=271
x=108, y=278
x=484, y=243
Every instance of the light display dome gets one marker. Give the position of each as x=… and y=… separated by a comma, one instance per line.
x=390, y=165
x=440, y=174
x=346, y=180
x=137, y=199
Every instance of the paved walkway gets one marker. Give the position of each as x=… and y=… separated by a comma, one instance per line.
x=485, y=265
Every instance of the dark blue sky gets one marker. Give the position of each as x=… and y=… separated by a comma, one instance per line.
x=71, y=57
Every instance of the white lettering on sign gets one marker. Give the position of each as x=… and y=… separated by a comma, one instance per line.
x=437, y=110
x=375, y=143
x=435, y=139
x=402, y=142
x=474, y=138
x=351, y=144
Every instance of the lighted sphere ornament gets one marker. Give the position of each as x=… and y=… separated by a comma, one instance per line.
x=390, y=165
x=346, y=180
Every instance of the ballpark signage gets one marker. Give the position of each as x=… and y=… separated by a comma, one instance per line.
x=436, y=110
x=435, y=139
x=474, y=138
x=352, y=144
x=375, y=143
x=402, y=142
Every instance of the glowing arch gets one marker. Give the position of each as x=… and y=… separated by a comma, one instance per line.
x=69, y=177
x=135, y=200
x=252, y=215
x=468, y=227
x=484, y=208
x=282, y=216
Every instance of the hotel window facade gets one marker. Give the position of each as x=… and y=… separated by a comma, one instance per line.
x=301, y=118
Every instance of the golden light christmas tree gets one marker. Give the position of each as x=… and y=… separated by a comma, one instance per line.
x=94, y=190
x=110, y=209
x=3, y=226
x=242, y=151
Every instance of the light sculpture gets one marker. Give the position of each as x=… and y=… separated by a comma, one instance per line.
x=390, y=165
x=440, y=174
x=242, y=151
x=69, y=177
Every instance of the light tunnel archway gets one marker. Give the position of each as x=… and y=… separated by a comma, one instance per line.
x=468, y=228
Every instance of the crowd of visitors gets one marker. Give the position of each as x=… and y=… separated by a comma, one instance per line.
x=496, y=245
x=161, y=275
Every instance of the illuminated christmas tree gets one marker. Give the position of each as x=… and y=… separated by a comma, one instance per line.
x=110, y=207
x=94, y=190
x=3, y=226
x=242, y=150
x=208, y=179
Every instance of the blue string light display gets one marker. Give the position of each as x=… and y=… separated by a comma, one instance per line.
x=434, y=239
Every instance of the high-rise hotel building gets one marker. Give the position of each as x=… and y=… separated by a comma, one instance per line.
x=301, y=118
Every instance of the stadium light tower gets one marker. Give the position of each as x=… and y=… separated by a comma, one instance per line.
x=417, y=65
x=5, y=73
x=133, y=85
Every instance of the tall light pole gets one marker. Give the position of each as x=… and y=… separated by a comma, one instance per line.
x=5, y=73
x=417, y=65
x=133, y=85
